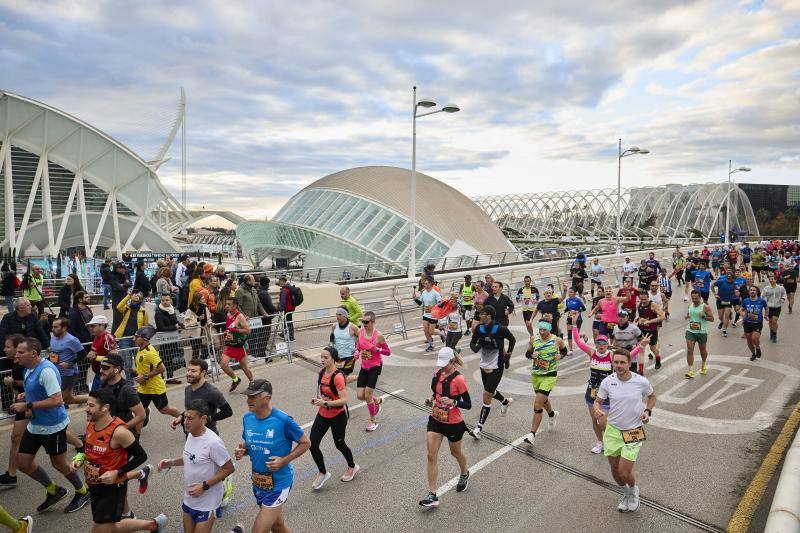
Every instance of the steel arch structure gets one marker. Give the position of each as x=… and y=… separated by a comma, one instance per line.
x=663, y=213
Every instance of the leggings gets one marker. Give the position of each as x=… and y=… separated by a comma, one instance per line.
x=452, y=338
x=338, y=425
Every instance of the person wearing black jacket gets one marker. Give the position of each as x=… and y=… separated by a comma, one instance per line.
x=489, y=339
x=79, y=315
x=72, y=286
x=166, y=318
x=105, y=279
x=24, y=322
x=502, y=304
x=120, y=283
x=9, y=284
x=141, y=283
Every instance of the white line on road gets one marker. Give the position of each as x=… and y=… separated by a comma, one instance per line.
x=362, y=404
x=480, y=464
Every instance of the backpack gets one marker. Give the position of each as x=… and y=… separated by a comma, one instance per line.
x=445, y=383
x=26, y=282
x=296, y=294
x=331, y=386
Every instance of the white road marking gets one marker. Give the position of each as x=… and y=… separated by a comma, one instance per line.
x=479, y=465
x=358, y=405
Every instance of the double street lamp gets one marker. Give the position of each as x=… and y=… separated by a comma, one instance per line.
x=419, y=111
x=731, y=172
x=633, y=150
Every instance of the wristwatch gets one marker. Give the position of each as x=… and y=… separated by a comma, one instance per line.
x=325, y=403
x=649, y=412
x=206, y=486
x=29, y=406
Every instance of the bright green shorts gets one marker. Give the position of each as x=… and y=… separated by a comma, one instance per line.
x=614, y=446
x=543, y=384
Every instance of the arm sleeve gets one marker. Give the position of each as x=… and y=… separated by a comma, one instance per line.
x=462, y=399
x=635, y=351
x=136, y=456
x=576, y=338
x=474, y=343
x=384, y=348
x=512, y=340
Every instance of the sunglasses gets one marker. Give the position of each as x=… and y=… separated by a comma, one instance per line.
x=106, y=367
x=366, y=321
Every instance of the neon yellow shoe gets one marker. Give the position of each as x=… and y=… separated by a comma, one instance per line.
x=690, y=373
x=704, y=370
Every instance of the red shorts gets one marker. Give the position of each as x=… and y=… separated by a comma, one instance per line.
x=236, y=353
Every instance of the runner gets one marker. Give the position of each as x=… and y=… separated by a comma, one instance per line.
x=701, y=281
x=453, y=324
x=788, y=273
x=651, y=317
x=549, y=309
x=628, y=269
x=545, y=349
x=479, y=299
x=489, y=339
x=724, y=290
x=665, y=287
x=150, y=374
x=427, y=299
x=111, y=457
x=268, y=434
x=503, y=306
x=46, y=428
x=528, y=296
x=739, y=294
x=747, y=254
x=608, y=310
x=596, y=313
x=624, y=432
x=236, y=331
x=206, y=465
x=697, y=313
x=678, y=265
x=15, y=380
x=626, y=335
x=759, y=263
x=578, y=274
x=653, y=267
x=753, y=321
x=344, y=335
x=573, y=303
x=467, y=301
x=629, y=298
x=21, y=525
x=371, y=347
x=331, y=399
x=642, y=274
x=596, y=272
x=774, y=295
x=449, y=396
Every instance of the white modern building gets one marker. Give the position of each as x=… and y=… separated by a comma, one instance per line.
x=67, y=184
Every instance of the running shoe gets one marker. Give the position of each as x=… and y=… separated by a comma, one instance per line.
x=144, y=478
x=719, y=326
x=52, y=499
x=703, y=369
x=378, y=403
x=238, y=528
x=570, y=352
x=26, y=525
x=753, y=356
x=463, y=482
x=146, y=416
x=127, y=516
x=649, y=356
x=226, y=497
x=7, y=481
x=552, y=421
x=658, y=364
x=598, y=448
x=633, y=499
x=475, y=433
x=685, y=299
x=429, y=348
x=78, y=502
x=431, y=500
x=467, y=333
x=790, y=309
x=320, y=480
x=623, y=505
x=372, y=426
x=161, y=523
x=530, y=438
x=735, y=324
x=690, y=373
x=724, y=333
x=234, y=384
x=504, y=406
x=758, y=352
x=347, y=478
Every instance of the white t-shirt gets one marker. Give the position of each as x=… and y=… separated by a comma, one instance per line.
x=625, y=398
x=773, y=296
x=453, y=322
x=597, y=271
x=203, y=456
x=629, y=268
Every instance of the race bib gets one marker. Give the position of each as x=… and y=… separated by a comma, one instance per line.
x=452, y=326
x=593, y=393
x=694, y=325
x=366, y=354
x=635, y=435
x=541, y=364
x=91, y=473
x=262, y=481
x=441, y=414
x=53, y=358
x=753, y=317
x=426, y=309
x=547, y=317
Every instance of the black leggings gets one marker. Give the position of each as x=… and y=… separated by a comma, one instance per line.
x=452, y=339
x=338, y=425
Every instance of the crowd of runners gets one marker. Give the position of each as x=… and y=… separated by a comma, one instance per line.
x=748, y=286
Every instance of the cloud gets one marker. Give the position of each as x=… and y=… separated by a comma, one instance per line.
x=280, y=94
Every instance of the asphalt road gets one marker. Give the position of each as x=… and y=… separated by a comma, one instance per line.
x=706, y=439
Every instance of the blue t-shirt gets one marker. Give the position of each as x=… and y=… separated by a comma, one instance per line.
x=575, y=304
x=716, y=255
x=738, y=283
x=725, y=289
x=702, y=280
x=67, y=348
x=746, y=253
x=752, y=308
x=271, y=437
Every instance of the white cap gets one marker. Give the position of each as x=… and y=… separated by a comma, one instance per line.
x=98, y=319
x=445, y=356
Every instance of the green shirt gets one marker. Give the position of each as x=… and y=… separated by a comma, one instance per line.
x=697, y=315
x=544, y=353
x=34, y=292
x=353, y=310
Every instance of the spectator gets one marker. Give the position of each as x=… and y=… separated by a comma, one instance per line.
x=164, y=284
x=66, y=296
x=79, y=316
x=350, y=303
x=120, y=283
x=10, y=282
x=105, y=279
x=286, y=306
x=140, y=282
x=166, y=318
x=24, y=322
x=266, y=300
x=134, y=316
x=34, y=282
x=247, y=298
x=220, y=273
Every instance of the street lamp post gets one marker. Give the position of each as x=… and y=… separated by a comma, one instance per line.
x=620, y=154
x=424, y=103
x=731, y=172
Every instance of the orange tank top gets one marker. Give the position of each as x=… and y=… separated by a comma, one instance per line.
x=100, y=456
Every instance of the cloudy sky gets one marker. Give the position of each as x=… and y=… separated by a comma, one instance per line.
x=282, y=93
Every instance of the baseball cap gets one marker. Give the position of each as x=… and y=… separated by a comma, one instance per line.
x=257, y=387
x=623, y=313
x=444, y=356
x=114, y=359
x=601, y=339
x=98, y=319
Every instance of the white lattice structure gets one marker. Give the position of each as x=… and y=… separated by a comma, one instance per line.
x=666, y=213
x=67, y=184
